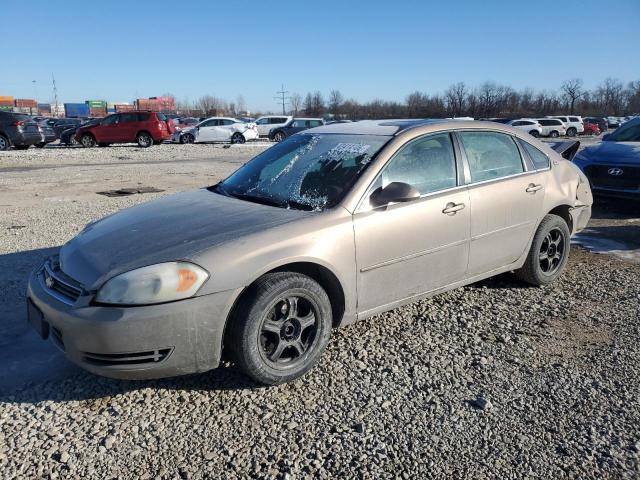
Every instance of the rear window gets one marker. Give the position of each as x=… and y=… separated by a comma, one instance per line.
x=161, y=116
x=143, y=117
x=539, y=159
x=574, y=119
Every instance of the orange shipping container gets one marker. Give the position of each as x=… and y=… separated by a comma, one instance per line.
x=26, y=103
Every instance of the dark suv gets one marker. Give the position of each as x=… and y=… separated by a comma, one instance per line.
x=143, y=127
x=294, y=126
x=18, y=130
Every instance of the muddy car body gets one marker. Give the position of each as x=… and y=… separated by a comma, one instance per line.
x=354, y=225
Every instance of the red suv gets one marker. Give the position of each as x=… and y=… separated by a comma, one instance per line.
x=144, y=128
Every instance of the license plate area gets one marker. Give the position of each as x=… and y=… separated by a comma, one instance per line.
x=36, y=319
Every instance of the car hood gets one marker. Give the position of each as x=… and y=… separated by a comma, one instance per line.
x=612, y=153
x=174, y=227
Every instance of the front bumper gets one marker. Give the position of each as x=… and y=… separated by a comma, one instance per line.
x=142, y=342
x=250, y=134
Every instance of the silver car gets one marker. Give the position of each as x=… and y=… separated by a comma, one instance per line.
x=335, y=224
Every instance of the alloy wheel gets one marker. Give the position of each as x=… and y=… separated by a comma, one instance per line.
x=4, y=145
x=288, y=331
x=551, y=252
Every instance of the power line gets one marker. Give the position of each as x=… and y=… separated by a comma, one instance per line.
x=282, y=98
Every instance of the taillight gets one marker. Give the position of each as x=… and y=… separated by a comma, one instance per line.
x=18, y=123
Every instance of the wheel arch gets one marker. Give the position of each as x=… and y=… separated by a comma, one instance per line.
x=563, y=211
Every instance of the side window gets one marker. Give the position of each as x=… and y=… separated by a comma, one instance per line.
x=518, y=124
x=298, y=124
x=278, y=120
x=491, y=155
x=226, y=122
x=111, y=120
x=209, y=123
x=143, y=117
x=539, y=159
x=574, y=119
x=128, y=117
x=262, y=121
x=427, y=163
x=315, y=123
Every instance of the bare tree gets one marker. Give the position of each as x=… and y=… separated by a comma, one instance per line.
x=317, y=104
x=456, y=96
x=209, y=105
x=296, y=102
x=308, y=104
x=335, y=102
x=572, y=90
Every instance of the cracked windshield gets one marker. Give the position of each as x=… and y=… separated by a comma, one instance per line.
x=307, y=172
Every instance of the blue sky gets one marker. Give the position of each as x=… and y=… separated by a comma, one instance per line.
x=117, y=50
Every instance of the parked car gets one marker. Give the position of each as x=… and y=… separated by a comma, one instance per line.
x=18, y=130
x=613, y=165
x=68, y=136
x=146, y=128
x=602, y=123
x=551, y=127
x=330, y=226
x=47, y=134
x=268, y=122
x=59, y=125
x=574, y=124
x=613, y=122
x=591, y=129
x=294, y=126
x=217, y=129
x=529, y=125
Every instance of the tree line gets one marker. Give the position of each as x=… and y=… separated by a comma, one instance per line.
x=490, y=99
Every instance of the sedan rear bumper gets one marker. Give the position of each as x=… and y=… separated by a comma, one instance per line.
x=142, y=342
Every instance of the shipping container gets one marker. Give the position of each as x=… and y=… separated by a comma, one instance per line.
x=44, y=108
x=75, y=110
x=124, y=107
x=97, y=112
x=6, y=108
x=96, y=103
x=25, y=103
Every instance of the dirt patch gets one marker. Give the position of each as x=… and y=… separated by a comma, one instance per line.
x=571, y=339
x=123, y=192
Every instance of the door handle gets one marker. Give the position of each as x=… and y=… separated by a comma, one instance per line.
x=452, y=208
x=533, y=188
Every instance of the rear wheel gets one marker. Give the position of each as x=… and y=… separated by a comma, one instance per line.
x=571, y=132
x=238, y=138
x=4, y=143
x=87, y=141
x=549, y=252
x=144, y=140
x=280, y=328
x=279, y=136
x=554, y=134
x=534, y=133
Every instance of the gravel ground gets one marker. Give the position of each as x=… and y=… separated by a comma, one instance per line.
x=494, y=380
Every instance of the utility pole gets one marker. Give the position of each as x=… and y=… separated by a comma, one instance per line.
x=282, y=98
x=55, y=95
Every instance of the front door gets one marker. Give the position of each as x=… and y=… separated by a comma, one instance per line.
x=206, y=131
x=405, y=249
x=107, y=131
x=506, y=200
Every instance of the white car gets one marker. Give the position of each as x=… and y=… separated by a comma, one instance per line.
x=268, y=122
x=217, y=129
x=529, y=125
x=573, y=123
x=552, y=127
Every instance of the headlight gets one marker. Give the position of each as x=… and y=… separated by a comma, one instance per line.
x=159, y=283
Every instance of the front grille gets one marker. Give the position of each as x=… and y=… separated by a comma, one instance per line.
x=127, y=359
x=600, y=176
x=60, y=285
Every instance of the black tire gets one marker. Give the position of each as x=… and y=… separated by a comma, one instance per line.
x=21, y=147
x=40, y=145
x=279, y=136
x=187, y=138
x=554, y=134
x=534, y=133
x=144, y=140
x=87, y=140
x=157, y=142
x=103, y=144
x=270, y=337
x=238, y=138
x=548, y=254
x=572, y=132
x=4, y=143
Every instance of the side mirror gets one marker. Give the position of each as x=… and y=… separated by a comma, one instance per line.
x=395, y=192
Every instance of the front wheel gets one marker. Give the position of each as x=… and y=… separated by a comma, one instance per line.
x=238, y=138
x=187, y=138
x=572, y=132
x=279, y=136
x=554, y=134
x=87, y=141
x=144, y=140
x=4, y=143
x=280, y=328
x=534, y=133
x=549, y=252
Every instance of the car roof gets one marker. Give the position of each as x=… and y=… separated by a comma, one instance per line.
x=305, y=118
x=380, y=127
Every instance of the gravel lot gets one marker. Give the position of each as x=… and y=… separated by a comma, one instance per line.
x=494, y=380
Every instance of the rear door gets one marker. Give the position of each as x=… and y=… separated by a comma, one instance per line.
x=506, y=198
x=128, y=127
x=406, y=249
